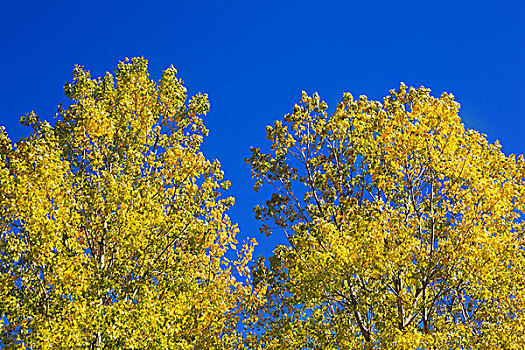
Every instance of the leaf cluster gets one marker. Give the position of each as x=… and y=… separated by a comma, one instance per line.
x=405, y=229
x=113, y=226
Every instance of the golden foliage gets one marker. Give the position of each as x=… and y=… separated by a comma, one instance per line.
x=405, y=229
x=113, y=228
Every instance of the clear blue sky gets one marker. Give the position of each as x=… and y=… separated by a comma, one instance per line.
x=254, y=58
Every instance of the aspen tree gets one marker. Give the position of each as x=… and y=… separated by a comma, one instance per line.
x=113, y=224
x=405, y=229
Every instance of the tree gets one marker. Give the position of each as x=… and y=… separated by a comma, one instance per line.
x=113, y=228
x=405, y=229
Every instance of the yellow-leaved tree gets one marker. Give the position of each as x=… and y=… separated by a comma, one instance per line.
x=113, y=228
x=405, y=229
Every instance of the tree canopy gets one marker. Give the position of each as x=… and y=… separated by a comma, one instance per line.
x=113, y=228
x=405, y=229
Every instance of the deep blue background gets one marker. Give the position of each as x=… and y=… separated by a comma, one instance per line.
x=254, y=58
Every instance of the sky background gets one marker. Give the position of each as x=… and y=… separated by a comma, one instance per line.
x=254, y=58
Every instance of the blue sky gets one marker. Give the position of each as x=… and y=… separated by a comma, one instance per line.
x=254, y=58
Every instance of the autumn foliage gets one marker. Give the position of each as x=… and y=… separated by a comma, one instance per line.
x=114, y=231
x=405, y=229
